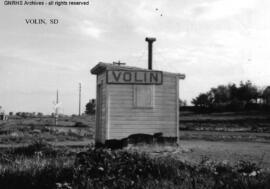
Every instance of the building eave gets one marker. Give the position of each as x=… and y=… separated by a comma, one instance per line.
x=101, y=67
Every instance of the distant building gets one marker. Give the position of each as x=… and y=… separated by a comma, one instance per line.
x=2, y=114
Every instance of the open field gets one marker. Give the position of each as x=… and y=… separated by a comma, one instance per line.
x=45, y=167
x=232, y=152
x=194, y=151
x=210, y=135
x=228, y=121
x=209, y=142
x=224, y=136
x=17, y=131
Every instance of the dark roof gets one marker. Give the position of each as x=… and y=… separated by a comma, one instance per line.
x=101, y=67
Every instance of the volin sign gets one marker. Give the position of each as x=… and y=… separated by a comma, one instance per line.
x=134, y=77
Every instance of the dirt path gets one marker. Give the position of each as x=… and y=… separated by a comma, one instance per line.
x=193, y=151
x=225, y=136
x=231, y=151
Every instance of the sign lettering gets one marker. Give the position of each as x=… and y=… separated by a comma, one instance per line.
x=117, y=77
x=134, y=77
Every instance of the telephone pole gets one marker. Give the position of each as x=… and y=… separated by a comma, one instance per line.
x=80, y=93
x=56, y=108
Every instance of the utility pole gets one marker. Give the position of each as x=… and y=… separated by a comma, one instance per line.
x=119, y=63
x=80, y=93
x=56, y=108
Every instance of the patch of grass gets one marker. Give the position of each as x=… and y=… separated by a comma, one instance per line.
x=232, y=121
x=99, y=168
x=38, y=165
x=38, y=146
x=103, y=168
x=35, y=172
x=25, y=130
x=225, y=136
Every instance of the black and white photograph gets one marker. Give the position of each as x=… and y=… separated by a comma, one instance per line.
x=134, y=94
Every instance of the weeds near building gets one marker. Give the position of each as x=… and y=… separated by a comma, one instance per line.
x=99, y=168
x=36, y=166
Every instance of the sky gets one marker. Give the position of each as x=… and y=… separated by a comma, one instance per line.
x=212, y=42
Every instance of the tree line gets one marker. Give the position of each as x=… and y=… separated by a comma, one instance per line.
x=230, y=97
x=245, y=96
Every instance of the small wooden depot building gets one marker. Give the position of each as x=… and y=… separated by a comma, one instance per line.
x=133, y=100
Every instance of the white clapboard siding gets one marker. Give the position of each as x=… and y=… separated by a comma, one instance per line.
x=121, y=109
x=125, y=119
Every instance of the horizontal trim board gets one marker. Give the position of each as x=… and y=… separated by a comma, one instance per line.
x=117, y=96
x=139, y=122
x=151, y=131
x=131, y=112
x=130, y=87
x=114, y=128
x=138, y=130
x=143, y=115
x=158, y=104
x=126, y=134
x=143, y=121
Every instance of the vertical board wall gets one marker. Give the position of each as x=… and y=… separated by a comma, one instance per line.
x=101, y=110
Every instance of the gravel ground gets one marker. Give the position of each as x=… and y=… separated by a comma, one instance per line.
x=193, y=151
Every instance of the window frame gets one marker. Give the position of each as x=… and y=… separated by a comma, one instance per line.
x=135, y=96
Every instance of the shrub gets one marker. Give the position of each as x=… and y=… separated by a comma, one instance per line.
x=100, y=168
x=80, y=124
x=42, y=178
x=38, y=146
x=19, y=169
x=103, y=168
